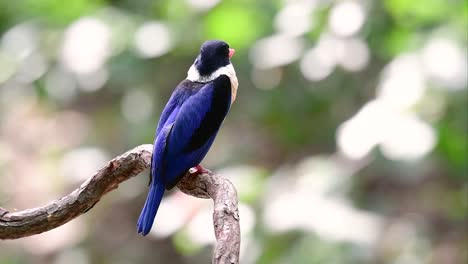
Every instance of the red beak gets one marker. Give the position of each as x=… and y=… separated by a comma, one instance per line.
x=231, y=52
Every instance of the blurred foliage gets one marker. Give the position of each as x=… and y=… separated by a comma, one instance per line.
x=348, y=141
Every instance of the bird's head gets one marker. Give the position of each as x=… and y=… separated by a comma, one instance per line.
x=213, y=56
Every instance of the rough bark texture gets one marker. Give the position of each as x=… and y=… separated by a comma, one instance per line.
x=29, y=222
x=225, y=215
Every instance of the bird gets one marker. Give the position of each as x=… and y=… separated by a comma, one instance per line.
x=189, y=123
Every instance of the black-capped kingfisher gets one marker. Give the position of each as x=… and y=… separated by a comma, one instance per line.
x=189, y=123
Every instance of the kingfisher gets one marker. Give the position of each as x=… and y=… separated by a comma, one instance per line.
x=189, y=123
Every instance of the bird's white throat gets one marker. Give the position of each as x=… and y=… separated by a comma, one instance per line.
x=228, y=70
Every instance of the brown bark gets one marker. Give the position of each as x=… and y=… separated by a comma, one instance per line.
x=29, y=222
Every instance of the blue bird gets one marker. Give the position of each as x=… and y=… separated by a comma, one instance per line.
x=189, y=123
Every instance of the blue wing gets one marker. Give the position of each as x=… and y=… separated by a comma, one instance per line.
x=187, y=128
x=174, y=102
x=195, y=128
x=183, y=91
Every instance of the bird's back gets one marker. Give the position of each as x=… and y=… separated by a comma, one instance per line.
x=195, y=127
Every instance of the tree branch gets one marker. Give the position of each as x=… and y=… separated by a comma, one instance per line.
x=29, y=222
x=225, y=215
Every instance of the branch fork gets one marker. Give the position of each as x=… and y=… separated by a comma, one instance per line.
x=14, y=225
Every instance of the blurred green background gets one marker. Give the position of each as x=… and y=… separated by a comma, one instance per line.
x=347, y=142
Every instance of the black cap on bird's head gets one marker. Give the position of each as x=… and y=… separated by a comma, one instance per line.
x=214, y=54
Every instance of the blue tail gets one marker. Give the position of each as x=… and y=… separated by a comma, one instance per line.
x=155, y=194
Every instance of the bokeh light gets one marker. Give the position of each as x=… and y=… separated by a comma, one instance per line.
x=152, y=39
x=79, y=163
x=202, y=4
x=346, y=18
x=276, y=51
x=60, y=84
x=86, y=45
x=137, y=105
x=403, y=82
x=410, y=139
x=446, y=62
x=295, y=18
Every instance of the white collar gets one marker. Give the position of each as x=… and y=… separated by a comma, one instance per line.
x=228, y=70
x=194, y=76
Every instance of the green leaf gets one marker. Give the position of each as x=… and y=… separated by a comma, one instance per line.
x=58, y=11
x=418, y=12
x=237, y=25
x=454, y=145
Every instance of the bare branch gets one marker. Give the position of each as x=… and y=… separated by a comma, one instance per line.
x=29, y=222
x=225, y=215
x=56, y=213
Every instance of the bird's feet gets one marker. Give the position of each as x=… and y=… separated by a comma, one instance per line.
x=197, y=170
